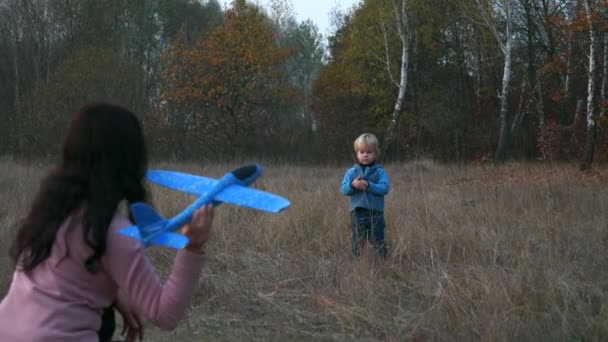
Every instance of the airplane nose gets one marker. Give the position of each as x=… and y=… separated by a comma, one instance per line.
x=247, y=173
x=244, y=172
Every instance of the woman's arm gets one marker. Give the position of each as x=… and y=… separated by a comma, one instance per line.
x=131, y=270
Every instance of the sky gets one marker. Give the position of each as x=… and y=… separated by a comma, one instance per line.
x=318, y=11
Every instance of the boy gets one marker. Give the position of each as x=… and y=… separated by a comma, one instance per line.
x=366, y=183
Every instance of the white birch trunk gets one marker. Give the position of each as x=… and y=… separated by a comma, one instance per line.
x=488, y=11
x=590, y=136
x=403, y=31
x=604, y=76
x=504, y=135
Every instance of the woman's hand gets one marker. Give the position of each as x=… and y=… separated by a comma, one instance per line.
x=198, y=230
x=132, y=328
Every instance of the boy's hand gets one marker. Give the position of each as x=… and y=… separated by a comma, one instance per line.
x=360, y=184
x=364, y=184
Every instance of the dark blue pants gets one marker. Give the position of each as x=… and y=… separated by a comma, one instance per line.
x=367, y=225
x=108, y=325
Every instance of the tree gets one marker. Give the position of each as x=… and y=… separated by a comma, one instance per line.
x=229, y=82
x=301, y=68
x=493, y=12
x=91, y=74
x=373, y=48
x=591, y=127
x=11, y=31
x=304, y=64
x=401, y=23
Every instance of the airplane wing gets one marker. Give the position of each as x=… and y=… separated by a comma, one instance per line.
x=169, y=239
x=234, y=194
x=173, y=240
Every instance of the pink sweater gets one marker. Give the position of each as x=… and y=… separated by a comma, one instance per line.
x=61, y=301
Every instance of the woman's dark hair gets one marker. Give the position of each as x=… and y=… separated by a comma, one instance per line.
x=104, y=161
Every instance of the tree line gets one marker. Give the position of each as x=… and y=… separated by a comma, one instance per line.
x=467, y=80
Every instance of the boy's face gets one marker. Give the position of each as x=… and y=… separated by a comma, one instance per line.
x=365, y=154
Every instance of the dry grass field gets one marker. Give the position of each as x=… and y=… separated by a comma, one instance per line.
x=513, y=253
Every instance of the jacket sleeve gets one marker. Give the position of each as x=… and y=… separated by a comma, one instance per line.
x=382, y=186
x=163, y=304
x=345, y=188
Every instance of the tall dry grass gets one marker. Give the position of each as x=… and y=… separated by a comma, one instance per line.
x=516, y=252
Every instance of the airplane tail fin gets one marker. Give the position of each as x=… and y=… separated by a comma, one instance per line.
x=149, y=223
x=149, y=228
x=144, y=215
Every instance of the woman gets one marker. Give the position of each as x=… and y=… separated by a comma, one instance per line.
x=70, y=261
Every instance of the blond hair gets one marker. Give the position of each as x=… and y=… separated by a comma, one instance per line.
x=368, y=140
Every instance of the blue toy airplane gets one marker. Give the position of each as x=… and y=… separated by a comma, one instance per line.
x=232, y=188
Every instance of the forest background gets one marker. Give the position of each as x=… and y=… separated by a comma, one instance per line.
x=470, y=80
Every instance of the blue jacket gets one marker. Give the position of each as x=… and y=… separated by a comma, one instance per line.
x=373, y=198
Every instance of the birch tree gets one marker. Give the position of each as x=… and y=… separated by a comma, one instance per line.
x=604, y=76
x=401, y=22
x=591, y=127
x=493, y=12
